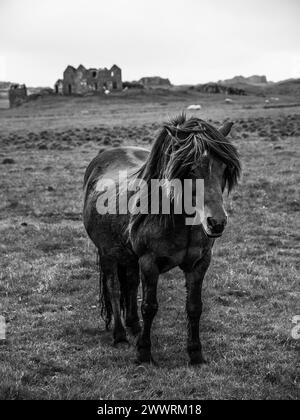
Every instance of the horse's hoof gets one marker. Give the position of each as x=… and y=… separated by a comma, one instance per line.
x=153, y=362
x=121, y=342
x=134, y=329
x=145, y=359
x=122, y=345
x=198, y=360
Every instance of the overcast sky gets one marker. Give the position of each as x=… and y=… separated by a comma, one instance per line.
x=189, y=41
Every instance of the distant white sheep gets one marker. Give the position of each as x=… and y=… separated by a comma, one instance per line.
x=194, y=107
x=272, y=99
x=228, y=101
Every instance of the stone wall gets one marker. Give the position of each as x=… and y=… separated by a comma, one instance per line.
x=58, y=87
x=218, y=88
x=17, y=95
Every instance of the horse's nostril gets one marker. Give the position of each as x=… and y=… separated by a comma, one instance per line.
x=211, y=222
x=216, y=226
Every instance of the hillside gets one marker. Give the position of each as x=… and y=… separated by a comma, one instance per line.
x=252, y=80
x=4, y=85
x=285, y=87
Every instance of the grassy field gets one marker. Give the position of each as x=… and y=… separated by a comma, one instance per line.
x=56, y=344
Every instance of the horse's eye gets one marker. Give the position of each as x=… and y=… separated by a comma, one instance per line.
x=224, y=179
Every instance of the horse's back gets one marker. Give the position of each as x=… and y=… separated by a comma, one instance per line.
x=105, y=229
x=110, y=160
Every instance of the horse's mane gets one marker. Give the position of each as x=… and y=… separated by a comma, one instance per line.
x=180, y=144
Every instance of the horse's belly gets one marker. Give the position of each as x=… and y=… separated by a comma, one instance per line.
x=166, y=263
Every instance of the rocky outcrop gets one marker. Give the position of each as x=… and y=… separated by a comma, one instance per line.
x=218, y=88
x=154, y=81
x=251, y=80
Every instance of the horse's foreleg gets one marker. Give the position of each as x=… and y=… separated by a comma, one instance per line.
x=194, y=281
x=149, y=276
x=132, y=283
x=113, y=287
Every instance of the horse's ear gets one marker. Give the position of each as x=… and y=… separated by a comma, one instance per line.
x=225, y=129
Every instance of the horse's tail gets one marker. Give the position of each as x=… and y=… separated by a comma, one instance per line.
x=104, y=300
x=123, y=289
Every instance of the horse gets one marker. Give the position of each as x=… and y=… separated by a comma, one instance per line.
x=136, y=246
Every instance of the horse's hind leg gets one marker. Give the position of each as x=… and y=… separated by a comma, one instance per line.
x=113, y=287
x=149, y=276
x=132, y=285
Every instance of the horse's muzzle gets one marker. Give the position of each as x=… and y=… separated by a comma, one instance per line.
x=215, y=228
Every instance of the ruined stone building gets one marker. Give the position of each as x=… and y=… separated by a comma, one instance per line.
x=82, y=80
